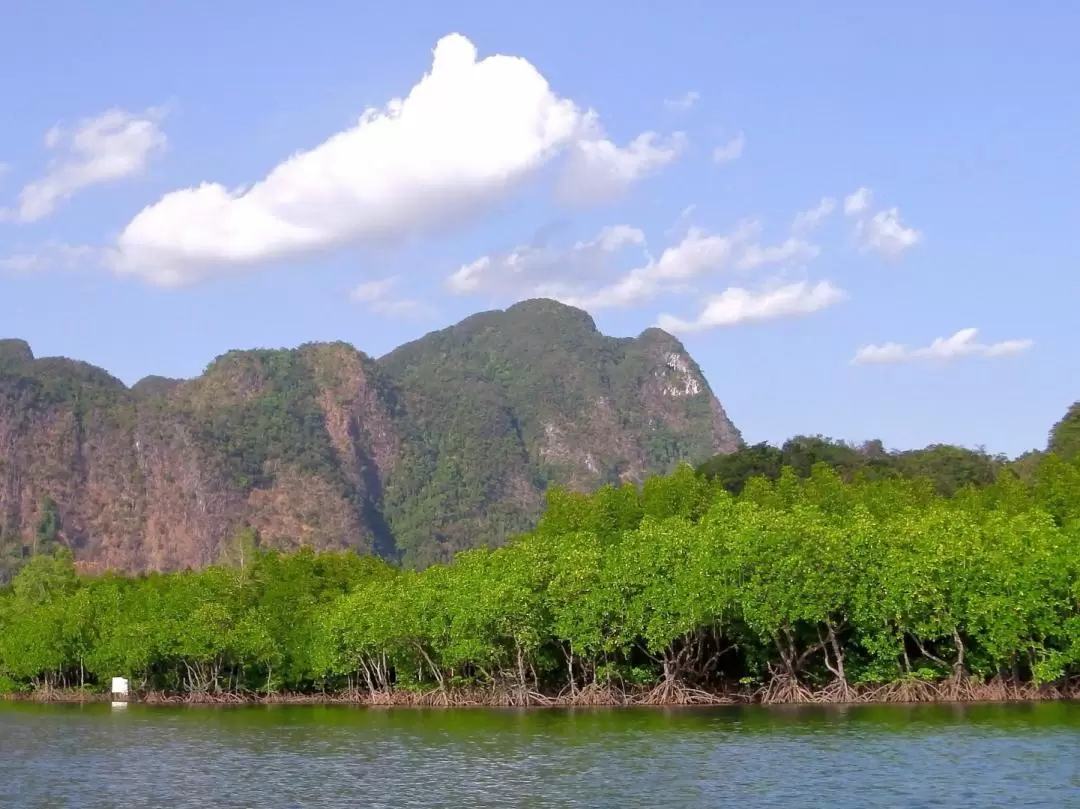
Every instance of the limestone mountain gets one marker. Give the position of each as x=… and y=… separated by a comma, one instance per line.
x=448, y=442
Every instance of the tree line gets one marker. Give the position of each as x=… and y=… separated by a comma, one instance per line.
x=788, y=585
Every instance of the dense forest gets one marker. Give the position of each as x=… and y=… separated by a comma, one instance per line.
x=814, y=571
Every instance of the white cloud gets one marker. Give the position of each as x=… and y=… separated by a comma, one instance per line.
x=792, y=251
x=736, y=305
x=732, y=150
x=53, y=255
x=944, y=349
x=683, y=102
x=113, y=146
x=372, y=290
x=858, y=201
x=697, y=254
x=806, y=221
x=575, y=275
x=375, y=296
x=885, y=233
x=599, y=171
x=532, y=270
x=468, y=134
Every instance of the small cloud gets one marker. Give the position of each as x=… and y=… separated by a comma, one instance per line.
x=53, y=256
x=942, y=350
x=735, y=306
x=791, y=251
x=683, y=102
x=886, y=234
x=375, y=296
x=599, y=171
x=858, y=201
x=110, y=147
x=370, y=291
x=531, y=269
x=732, y=150
x=805, y=221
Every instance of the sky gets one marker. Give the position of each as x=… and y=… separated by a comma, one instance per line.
x=860, y=220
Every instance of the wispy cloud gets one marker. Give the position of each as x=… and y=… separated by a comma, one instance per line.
x=732, y=150
x=805, y=221
x=883, y=232
x=53, y=256
x=110, y=147
x=736, y=305
x=942, y=350
x=683, y=102
x=377, y=297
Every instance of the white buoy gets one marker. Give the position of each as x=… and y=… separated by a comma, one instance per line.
x=120, y=686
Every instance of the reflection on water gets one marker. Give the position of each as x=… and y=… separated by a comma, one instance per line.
x=98, y=757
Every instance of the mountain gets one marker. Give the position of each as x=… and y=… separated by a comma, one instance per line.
x=1065, y=435
x=447, y=442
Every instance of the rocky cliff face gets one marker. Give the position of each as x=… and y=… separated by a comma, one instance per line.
x=446, y=443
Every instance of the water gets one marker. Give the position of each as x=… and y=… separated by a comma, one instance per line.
x=96, y=757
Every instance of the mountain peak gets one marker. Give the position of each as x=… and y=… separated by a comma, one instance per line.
x=552, y=310
x=14, y=350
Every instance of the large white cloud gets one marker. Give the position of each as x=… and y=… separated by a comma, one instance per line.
x=115, y=145
x=467, y=134
x=736, y=305
x=944, y=349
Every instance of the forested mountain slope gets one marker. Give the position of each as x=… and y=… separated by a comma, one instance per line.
x=446, y=443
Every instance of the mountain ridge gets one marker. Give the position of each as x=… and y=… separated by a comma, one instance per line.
x=444, y=443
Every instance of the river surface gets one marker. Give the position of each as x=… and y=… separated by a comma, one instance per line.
x=98, y=757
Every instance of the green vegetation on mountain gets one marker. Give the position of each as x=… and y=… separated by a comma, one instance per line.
x=505, y=403
x=1065, y=436
x=258, y=409
x=798, y=588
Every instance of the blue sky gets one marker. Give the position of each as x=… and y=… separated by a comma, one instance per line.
x=185, y=178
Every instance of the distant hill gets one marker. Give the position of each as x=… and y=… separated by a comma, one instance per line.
x=446, y=443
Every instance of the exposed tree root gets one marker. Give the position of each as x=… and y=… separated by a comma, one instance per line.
x=781, y=690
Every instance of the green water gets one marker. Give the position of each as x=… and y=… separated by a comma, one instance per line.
x=888, y=756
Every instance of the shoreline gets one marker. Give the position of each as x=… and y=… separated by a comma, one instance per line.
x=909, y=693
